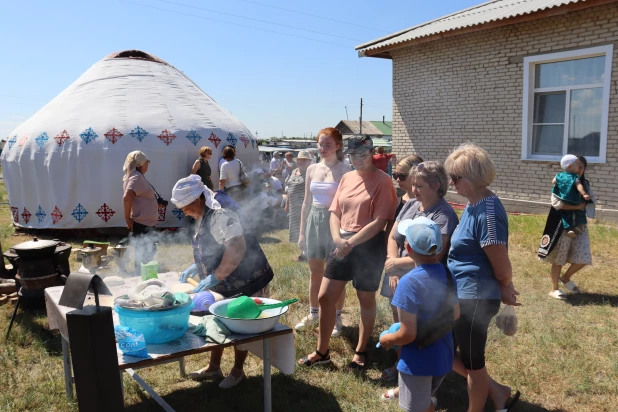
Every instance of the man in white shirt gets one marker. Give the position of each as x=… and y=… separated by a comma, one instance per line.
x=275, y=164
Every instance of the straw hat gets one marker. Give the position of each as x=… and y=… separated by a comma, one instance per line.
x=303, y=154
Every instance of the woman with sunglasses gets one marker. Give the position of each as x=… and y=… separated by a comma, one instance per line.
x=426, y=183
x=480, y=262
x=363, y=206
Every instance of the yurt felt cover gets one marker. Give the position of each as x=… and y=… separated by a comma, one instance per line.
x=63, y=166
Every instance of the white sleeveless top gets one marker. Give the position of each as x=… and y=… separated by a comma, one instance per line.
x=323, y=193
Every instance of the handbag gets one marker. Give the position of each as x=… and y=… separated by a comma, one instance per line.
x=244, y=177
x=432, y=330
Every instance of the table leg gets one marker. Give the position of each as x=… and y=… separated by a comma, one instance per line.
x=149, y=390
x=268, y=406
x=68, y=372
x=181, y=367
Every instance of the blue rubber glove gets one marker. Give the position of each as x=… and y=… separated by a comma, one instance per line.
x=209, y=282
x=392, y=329
x=188, y=273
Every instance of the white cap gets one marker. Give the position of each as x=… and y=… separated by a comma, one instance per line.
x=568, y=160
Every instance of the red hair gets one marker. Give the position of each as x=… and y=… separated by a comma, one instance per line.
x=336, y=135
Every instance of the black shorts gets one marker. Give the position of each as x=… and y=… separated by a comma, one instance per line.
x=363, y=266
x=470, y=331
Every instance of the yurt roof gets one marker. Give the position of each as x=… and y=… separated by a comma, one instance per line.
x=65, y=162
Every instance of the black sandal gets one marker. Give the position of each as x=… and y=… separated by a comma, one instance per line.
x=324, y=359
x=357, y=366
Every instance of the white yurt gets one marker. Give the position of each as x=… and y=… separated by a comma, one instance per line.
x=63, y=166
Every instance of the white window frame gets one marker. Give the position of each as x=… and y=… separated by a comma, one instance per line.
x=529, y=90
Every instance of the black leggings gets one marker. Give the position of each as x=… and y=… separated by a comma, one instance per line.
x=470, y=332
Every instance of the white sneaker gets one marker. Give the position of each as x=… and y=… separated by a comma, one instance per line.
x=307, y=322
x=338, y=328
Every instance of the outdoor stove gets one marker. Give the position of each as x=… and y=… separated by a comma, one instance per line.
x=40, y=264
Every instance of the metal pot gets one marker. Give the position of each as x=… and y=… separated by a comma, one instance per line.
x=91, y=257
x=36, y=249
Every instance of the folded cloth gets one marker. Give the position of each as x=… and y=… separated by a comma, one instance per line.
x=213, y=330
x=152, y=293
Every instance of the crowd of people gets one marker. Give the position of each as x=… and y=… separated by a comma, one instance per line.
x=445, y=277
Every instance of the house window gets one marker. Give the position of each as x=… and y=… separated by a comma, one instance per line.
x=566, y=104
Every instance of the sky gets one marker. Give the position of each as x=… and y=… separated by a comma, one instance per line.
x=281, y=67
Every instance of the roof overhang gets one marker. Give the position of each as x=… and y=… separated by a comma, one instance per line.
x=384, y=51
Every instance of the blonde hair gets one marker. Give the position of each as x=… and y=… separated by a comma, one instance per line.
x=132, y=162
x=473, y=163
x=204, y=150
x=432, y=172
x=407, y=163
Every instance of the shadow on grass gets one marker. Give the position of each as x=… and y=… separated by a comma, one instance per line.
x=268, y=239
x=27, y=321
x=288, y=394
x=453, y=397
x=584, y=299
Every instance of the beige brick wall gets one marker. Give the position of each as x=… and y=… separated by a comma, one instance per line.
x=469, y=88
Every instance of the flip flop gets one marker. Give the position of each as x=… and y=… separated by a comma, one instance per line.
x=509, y=405
x=390, y=395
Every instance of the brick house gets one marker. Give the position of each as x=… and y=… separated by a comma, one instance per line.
x=528, y=80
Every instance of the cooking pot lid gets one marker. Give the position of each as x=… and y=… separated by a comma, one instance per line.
x=91, y=250
x=35, y=243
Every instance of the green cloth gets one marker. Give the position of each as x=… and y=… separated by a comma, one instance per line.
x=566, y=188
x=181, y=298
x=213, y=330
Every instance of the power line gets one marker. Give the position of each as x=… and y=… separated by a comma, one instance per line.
x=258, y=20
x=313, y=15
x=234, y=24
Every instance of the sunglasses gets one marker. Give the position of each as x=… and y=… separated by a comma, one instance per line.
x=400, y=176
x=455, y=179
x=359, y=156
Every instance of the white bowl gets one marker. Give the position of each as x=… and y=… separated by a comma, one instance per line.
x=267, y=321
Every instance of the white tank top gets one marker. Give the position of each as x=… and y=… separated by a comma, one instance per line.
x=323, y=193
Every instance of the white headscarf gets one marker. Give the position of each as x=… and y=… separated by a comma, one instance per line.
x=134, y=160
x=188, y=189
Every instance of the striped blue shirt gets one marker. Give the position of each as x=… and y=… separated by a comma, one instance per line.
x=482, y=224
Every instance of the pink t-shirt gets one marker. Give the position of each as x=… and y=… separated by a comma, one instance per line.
x=145, y=209
x=362, y=199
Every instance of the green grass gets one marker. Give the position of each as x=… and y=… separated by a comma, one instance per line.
x=563, y=358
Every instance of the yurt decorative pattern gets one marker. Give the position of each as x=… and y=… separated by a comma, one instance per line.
x=65, y=162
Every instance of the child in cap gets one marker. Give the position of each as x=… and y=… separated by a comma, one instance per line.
x=569, y=188
x=419, y=297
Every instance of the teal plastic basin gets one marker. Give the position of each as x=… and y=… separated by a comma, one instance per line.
x=159, y=326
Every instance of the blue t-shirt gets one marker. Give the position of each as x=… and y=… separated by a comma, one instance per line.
x=482, y=224
x=422, y=292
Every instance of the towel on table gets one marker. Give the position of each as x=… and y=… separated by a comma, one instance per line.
x=213, y=330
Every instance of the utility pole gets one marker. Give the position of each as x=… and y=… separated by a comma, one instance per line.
x=346, y=113
x=361, y=117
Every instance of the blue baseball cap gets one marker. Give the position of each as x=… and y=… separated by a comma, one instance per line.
x=423, y=235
